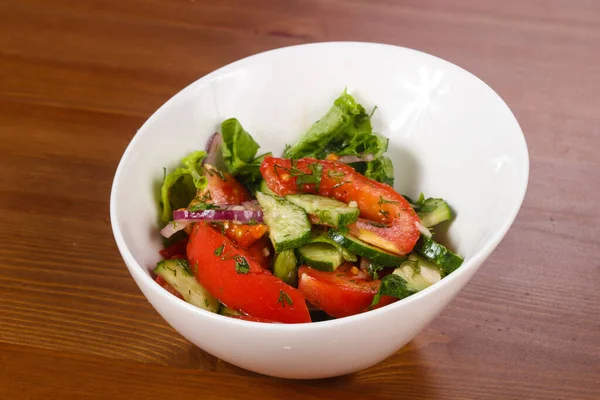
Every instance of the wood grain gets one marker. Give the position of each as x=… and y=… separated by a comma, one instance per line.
x=77, y=79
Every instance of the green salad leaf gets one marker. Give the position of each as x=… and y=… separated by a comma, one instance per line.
x=344, y=130
x=180, y=185
x=381, y=170
x=239, y=153
x=392, y=285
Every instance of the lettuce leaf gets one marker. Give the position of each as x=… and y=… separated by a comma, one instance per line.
x=180, y=185
x=239, y=153
x=344, y=130
x=381, y=170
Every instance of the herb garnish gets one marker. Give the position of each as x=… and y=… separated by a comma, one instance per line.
x=185, y=265
x=284, y=298
x=241, y=265
x=219, y=250
x=385, y=213
x=383, y=201
x=203, y=206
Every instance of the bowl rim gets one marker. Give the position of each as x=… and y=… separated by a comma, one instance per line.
x=139, y=272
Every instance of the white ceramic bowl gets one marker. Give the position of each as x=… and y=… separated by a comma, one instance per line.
x=450, y=136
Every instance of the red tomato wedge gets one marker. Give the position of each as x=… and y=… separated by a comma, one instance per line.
x=177, y=249
x=262, y=252
x=222, y=188
x=339, y=293
x=244, y=235
x=238, y=281
x=395, y=221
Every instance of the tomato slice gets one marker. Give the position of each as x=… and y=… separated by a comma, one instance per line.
x=243, y=234
x=262, y=252
x=339, y=293
x=159, y=279
x=222, y=188
x=176, y=249
x=392, y=222
x=237, y=280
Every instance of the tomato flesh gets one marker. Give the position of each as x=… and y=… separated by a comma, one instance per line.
x=262, y=252
x=222, y=188
x=339, y=293
x=392, y=222
x=174, y=250
x=216, y=261
x=243, y=234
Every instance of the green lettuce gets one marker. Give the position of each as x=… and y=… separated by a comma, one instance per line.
x=381, y=170
x=346, y=130
x=180, y=185
x=239, y=153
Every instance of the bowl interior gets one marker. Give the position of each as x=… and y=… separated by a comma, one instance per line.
x=450, y=135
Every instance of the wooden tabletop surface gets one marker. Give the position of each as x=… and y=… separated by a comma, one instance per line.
x=77, y=78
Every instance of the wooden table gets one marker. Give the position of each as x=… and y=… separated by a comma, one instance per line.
x=77, y=78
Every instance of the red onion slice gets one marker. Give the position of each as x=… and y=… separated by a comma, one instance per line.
x=213, y=151
x=173, y=227
x=230, y=213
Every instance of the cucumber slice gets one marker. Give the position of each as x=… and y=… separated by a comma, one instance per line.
x=224, y=310
x=376, y=255
x=438, y=254
x=418, y=272
x=434, y=211
x=322, y=256
x=288, y=224
x=321, y=237
x=330, y=211
x=285, y=267
x=177, y=273
x=265, y=189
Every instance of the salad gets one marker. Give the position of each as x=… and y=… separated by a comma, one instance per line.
x=318, y=233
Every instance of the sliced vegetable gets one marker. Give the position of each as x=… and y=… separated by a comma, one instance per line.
x=175, y=249
x=418, y=273
x=221, y=188
x=227, y=311
x=392, y=285
x=438, y=254
x=285, y=267
x=340, y=293
x=390, y=216
x=329, y=211
x=177, y=273
x=237, y=280
x=165, y=285
x=288, y=224
x=322, y=236
x=214, y=155
x=434, y=211
x=220, y=213
x=322, y=256
x=261, y=251
x=262, y=187
x=376, y=255
x=244, y=235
